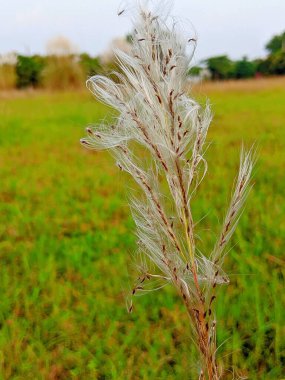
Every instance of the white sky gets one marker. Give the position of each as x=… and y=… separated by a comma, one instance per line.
x=233, y=27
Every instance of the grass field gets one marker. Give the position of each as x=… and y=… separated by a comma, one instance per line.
x=66, y=239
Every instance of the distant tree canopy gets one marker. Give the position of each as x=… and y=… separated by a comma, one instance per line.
x=28, y=71
x=129, y=38
x=274, y=63
x=276, y=44
x=195, y=70
x=91, y=65
x=221, y=67
x=244, y=69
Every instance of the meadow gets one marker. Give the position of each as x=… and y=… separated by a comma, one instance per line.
x=67, y=238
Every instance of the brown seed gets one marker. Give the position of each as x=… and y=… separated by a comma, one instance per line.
x=89, y=131
x=159, y=99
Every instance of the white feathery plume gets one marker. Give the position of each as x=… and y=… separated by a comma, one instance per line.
x=155, y=114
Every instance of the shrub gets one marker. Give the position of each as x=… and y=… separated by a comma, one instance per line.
x=90, y=65
x=62, y=72
x=28, y=71
x=7, y=77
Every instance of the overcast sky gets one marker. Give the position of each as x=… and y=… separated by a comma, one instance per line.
x=233, y=27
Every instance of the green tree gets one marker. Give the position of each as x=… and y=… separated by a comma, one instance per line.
x=262, y=66
x=90, y=65
x=244, y=69
x=274, y=64
x=129, y=38
x=277, y=63
x=195, y=70
x=277, y=43
x=28, y=71
x=221, y=67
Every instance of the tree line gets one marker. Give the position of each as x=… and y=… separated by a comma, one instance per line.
x=222, y=67
x=63, y=68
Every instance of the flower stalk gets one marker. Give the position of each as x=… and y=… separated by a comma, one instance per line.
x=158, y=138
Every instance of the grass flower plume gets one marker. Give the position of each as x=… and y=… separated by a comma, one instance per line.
x=158, y=137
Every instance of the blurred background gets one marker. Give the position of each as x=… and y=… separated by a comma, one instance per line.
x=66, y=235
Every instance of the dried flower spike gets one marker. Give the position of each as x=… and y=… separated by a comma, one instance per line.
x=156, y=115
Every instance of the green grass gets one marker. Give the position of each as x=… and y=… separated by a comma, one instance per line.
x=66, y=239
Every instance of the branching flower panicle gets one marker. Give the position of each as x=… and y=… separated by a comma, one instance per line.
x=156, y=115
